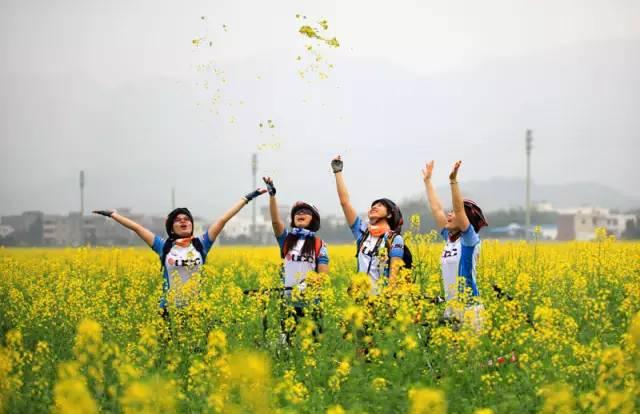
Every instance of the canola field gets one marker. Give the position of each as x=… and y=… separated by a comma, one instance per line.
x=80, y=331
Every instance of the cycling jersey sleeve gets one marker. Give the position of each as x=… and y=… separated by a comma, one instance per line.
x=323, y=255
x=206, y=241
x=357, y=229
x=397, y=247
x=470, y=237
x=281, y=238
x=444, y=233
x=158, y=244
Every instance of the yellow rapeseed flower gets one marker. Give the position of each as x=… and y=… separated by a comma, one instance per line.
x=154, y=396
x=336, y=409
x=427, y=401
x=379, y=383
x=558, y=399
x=71, y=394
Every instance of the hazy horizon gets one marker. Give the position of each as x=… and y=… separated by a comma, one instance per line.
x=117, y=89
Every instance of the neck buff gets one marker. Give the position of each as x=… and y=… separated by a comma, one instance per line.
x=184, y=242
x=378, y=230
x=304, y=233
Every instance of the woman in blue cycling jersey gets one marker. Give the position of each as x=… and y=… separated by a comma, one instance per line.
x=459, y=228
x=381, y=233
x=303, y=253
x=181, y=253
x=300, y=248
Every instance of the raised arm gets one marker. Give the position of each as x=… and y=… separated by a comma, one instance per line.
x=216, y=228
x=434, y=202
x=142, y=232
x=276, y=221
x=460, y=220
x=349, y=212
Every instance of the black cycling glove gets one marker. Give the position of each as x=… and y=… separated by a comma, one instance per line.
x=337, y=165
x=270, y=187
x=250, y=196
x=106, y=213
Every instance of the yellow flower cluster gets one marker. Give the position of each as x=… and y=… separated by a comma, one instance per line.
x=81, y=331
x=427, y=401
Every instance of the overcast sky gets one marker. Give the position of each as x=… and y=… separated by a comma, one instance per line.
x=119, y=89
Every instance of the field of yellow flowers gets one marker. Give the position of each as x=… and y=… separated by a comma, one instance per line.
x=80, y=331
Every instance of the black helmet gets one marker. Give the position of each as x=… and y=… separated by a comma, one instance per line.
x=315, y=214
x=168, y=224
x=475, y=215
x=395, y=221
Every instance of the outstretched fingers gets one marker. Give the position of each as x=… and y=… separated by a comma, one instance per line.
x=428, y=170
x=454, y=172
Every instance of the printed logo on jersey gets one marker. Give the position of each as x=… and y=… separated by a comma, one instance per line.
x=450, y=252
x=293, y=257
x=185, y=262
x=190, y=260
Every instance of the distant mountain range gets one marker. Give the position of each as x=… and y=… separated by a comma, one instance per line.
x=505, y=193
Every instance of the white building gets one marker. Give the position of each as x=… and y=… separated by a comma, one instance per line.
x=581, y=223
x=543, y=206
x=54, y=230
x=242, y=226
x=5, y=230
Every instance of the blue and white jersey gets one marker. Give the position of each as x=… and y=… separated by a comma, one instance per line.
x=296, y=264
x=459, y=258
x=181, y=262
x=368, y=259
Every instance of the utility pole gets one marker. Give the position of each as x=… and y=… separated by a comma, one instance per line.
x=82, y=238
x=81, y=193
x=254, y=171
x=528, y=146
